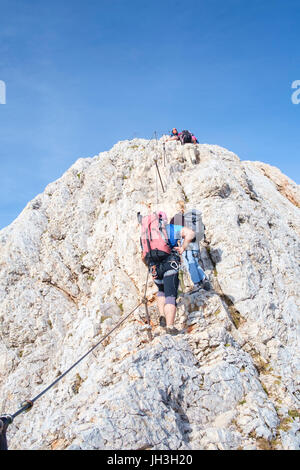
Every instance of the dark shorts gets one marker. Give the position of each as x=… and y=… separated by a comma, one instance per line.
x=167, y=281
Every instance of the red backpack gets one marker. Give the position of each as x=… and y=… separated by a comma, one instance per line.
x=154, y=237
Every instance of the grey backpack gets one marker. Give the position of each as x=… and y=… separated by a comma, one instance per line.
x=193, y=220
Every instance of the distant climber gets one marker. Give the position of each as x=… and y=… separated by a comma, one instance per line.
x=189, y=151
x=161, y=253
x=192, y=220
x=174, y=135
x=186, y=137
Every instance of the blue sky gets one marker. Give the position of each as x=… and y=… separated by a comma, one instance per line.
x=82, y=74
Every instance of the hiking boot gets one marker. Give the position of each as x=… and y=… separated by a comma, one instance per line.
x=171, y=330
x=167, y=330
x=206, y=284
x=162, y=321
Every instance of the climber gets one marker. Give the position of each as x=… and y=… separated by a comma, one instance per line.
x=186, y=137
x=191, y=256
x=174, y=135
x=161, y=254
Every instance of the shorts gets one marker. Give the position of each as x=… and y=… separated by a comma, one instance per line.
x=167, y=281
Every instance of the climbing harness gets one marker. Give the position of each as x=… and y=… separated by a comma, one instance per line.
x=153, y=271
x=174, y=265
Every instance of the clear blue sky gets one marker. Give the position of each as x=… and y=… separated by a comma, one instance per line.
x=82, y=74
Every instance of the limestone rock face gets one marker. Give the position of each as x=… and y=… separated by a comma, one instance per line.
x=70, y=269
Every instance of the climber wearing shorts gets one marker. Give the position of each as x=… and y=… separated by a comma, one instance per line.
x=161, y=254
x=166, y=274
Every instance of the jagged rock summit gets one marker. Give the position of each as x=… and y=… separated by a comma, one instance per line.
x=70, y=268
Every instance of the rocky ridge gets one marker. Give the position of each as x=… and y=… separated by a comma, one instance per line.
x=70, y=268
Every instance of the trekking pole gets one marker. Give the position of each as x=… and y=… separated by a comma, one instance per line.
x=164, y=150
x=155, y=161
x=156, y=188
x=145, y=301
x=180, y=271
